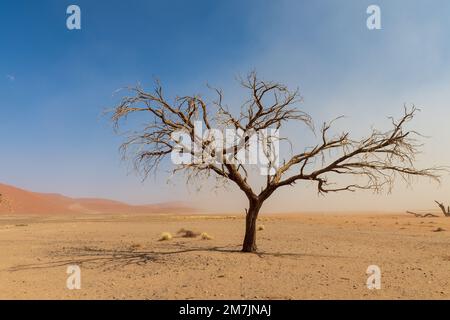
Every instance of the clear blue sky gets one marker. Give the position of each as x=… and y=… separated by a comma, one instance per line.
x=55, y=83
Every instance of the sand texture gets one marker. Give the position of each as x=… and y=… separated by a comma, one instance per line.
x=301, y=256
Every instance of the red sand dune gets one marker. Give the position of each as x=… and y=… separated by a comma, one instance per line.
x=18, y=201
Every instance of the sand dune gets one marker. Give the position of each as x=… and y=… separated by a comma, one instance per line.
x=18, y=201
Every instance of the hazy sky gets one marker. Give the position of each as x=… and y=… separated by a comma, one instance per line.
x=55, y=83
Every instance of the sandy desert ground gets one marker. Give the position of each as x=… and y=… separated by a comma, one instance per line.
x=301, y=256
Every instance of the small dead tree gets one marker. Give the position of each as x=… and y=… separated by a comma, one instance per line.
x=442, y=207
x=376, y=159
x=422, y=215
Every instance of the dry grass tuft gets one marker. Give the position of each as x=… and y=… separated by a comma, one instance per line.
x=261, y=227
x=206, y=236
x=165, y=236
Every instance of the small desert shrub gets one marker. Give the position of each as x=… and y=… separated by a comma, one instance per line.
x=205, y=236
x=190, y=234
x=261, y=227
x=187, y=233
x=165, y=236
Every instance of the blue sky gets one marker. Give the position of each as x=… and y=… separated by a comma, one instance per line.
x=55, y=83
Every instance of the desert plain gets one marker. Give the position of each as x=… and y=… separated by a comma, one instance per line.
x=301, y=256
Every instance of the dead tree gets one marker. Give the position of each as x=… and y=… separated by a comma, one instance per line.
x=422, y=215
x=377, y=160
x=442, y=207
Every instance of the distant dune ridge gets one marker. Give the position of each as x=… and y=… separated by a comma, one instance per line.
x=18, y=201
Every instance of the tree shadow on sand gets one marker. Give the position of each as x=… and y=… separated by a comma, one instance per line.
x=91, y=257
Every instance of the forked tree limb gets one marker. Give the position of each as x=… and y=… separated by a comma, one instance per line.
x=442, y=207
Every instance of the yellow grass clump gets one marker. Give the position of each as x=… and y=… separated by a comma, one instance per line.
x=165, y=236
x=205, y=236
x=261, y=227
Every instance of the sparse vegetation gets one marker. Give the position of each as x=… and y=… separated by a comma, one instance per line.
x=165, y=236
x=422, y=215
x=205, y=236
x=442, y=207
x=187, y=233
x=261, y=227
x=445, y=211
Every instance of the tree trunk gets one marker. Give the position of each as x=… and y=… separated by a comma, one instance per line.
x=249, y=244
